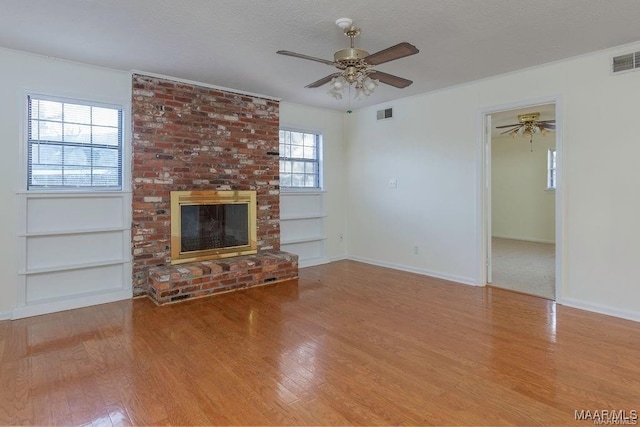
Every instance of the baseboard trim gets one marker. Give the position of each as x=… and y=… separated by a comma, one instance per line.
x=46, y=307
x=602, y=309
x=311, y=262
x=5, y=315
x=525, y=239
x=424, y=272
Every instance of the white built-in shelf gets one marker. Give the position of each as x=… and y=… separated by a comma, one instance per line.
x=303, y=240
x=72, y=232
x=302, y=216
x=73, y=267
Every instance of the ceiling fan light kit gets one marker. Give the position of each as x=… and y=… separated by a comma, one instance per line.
x=529, y=124
x=356, y=66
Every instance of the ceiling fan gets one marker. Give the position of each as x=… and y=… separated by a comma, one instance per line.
x=528, y=124
x=355, y=65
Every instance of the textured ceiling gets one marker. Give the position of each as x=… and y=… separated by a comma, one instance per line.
x=232, y=43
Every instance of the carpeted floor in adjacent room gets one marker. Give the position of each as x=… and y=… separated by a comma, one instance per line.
x=523, y=266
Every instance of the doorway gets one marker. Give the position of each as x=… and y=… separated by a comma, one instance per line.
x=520, y=202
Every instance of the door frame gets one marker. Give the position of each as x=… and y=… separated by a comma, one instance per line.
x=484, y=189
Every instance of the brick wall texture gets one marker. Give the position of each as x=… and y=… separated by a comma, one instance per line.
x=188, y=137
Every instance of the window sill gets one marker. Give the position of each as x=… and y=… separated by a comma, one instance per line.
x=71, y=193
x=302, y=191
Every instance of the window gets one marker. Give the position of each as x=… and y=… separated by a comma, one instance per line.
x=73, y=144
x=551, y=169
x=299, y=159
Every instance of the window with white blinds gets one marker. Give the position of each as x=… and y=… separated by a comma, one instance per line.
x=299, y=159
x=73, y=145
x=551, y=169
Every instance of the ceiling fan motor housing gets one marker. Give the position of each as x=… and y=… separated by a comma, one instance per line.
x=530, y=117
x=350, y=57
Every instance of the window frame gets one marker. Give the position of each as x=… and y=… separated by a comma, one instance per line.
x=119, y=148
x=318, y=161
x=552, y=169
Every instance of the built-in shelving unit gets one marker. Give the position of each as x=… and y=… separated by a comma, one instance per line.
x=75, y=250
x=302, y=225
x=73, y=266
x=302, y=240
x=69, y=232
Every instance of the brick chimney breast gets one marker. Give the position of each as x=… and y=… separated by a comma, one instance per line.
x=188, y=137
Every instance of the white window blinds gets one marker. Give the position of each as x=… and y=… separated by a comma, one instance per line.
x=73, y=144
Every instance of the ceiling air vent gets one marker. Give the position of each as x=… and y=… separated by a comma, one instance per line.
x=384, y=114
x=629, y=61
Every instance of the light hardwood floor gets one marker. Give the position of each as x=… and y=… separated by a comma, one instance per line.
x=349, y=344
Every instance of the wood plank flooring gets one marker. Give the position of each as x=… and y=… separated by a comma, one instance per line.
x=349, y=344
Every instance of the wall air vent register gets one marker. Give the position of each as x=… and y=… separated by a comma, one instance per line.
x=626, y=62
x=384, y=114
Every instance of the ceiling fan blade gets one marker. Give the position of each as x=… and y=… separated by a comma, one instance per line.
x=510, y=130
x=508, y=126
x=551, y=126
x=301, y=56
x=322, y=81
x=389, y=79
x=391, y=53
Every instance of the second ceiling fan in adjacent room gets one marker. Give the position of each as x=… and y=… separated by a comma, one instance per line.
x=528, y=124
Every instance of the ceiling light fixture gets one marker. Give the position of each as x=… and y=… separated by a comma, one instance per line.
x=356, y=66
x=529, y=124
x=356, y=70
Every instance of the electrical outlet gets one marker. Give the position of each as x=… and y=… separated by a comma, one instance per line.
x=341, y=237
x=416, y=250
x=393, y=183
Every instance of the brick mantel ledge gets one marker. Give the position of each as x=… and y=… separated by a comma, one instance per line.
x=174, y=283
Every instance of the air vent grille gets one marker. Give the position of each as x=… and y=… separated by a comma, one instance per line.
x=626, y=62
x=384, y=114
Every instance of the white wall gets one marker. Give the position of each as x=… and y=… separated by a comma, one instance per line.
x=23, y=73
x=521, y=206
x=331, y=202
x=433, y=147
x=427, y=149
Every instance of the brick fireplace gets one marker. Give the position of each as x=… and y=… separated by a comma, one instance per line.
x=188, y=137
